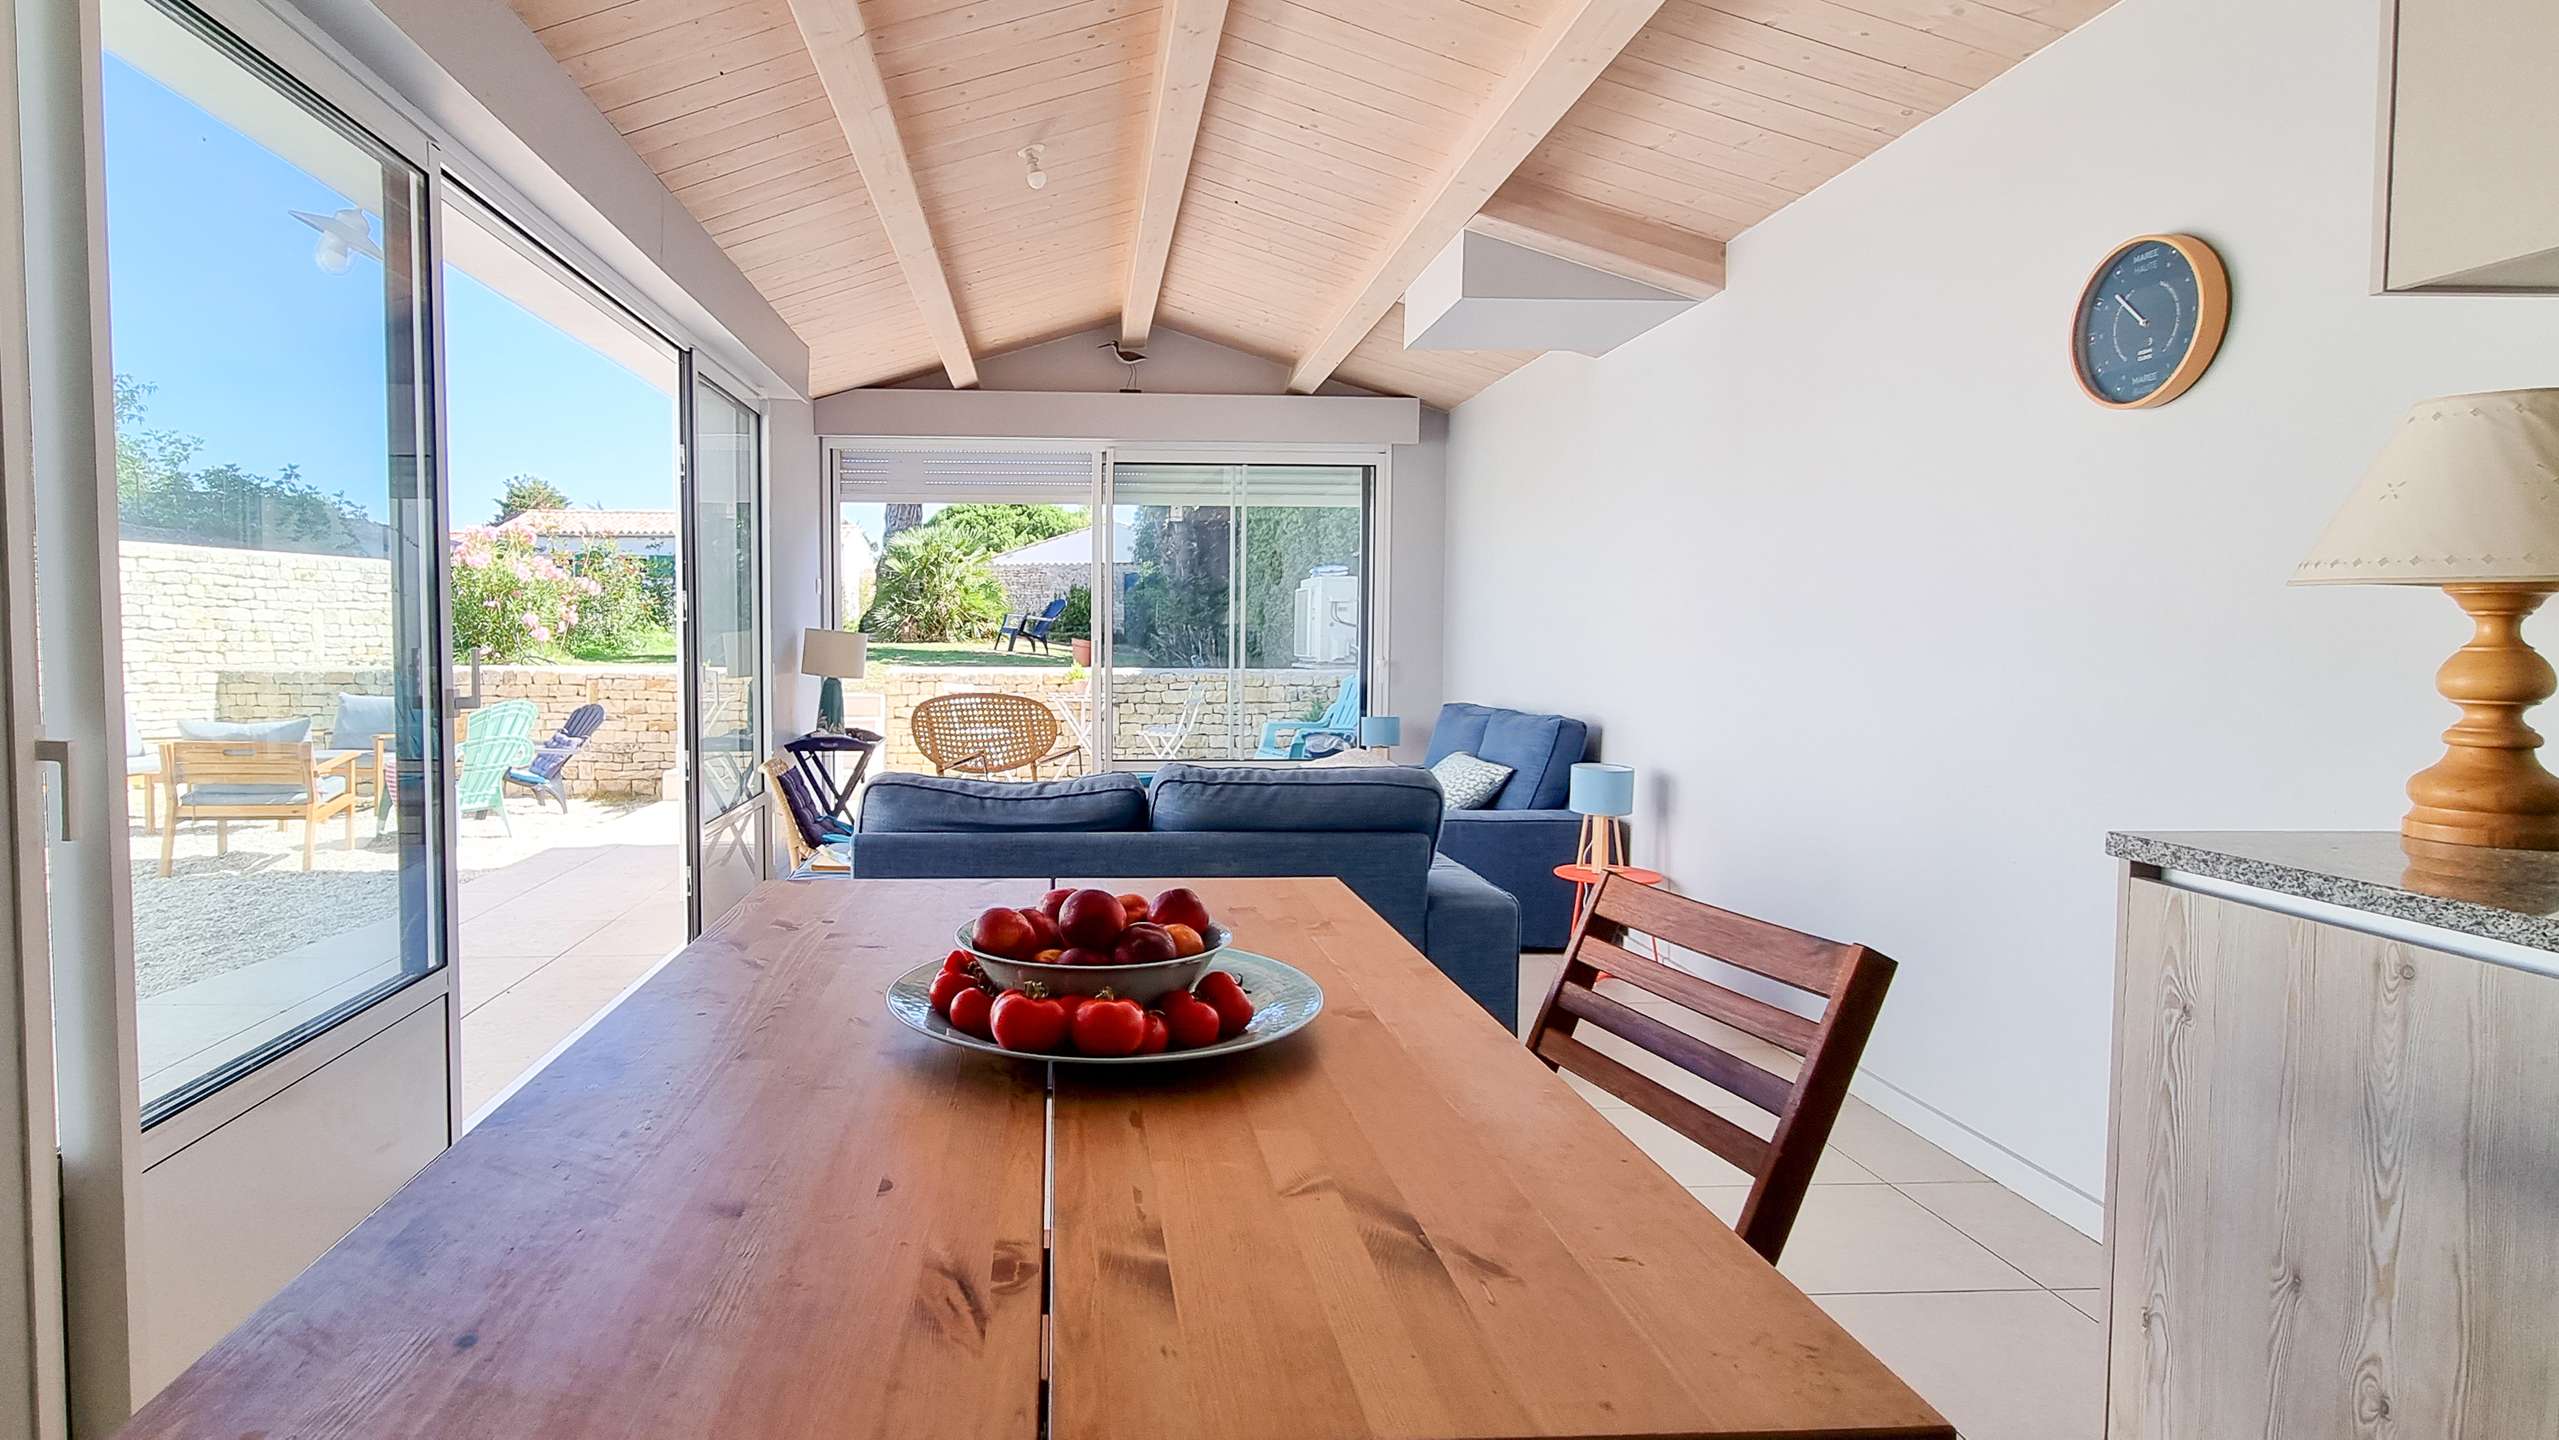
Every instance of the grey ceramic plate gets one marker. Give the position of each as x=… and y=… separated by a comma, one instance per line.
x=1284, y=999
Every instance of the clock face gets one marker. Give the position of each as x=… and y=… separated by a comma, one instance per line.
x=2145, y=315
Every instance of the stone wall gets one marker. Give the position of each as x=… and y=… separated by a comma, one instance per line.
x=1030, y=587
x=1143, y=698
x=222, y=634
x=634, y=754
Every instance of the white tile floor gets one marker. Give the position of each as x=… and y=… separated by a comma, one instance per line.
x=1984, y=1303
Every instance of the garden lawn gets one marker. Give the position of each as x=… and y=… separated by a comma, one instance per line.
x=967, y=655
x=648, y=647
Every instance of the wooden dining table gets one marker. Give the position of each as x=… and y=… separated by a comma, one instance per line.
x=751, y=1203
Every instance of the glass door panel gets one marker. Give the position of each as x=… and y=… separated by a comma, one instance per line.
x=727, y=631
x=278, y=548
x=1303, y=605
x=1173, y=685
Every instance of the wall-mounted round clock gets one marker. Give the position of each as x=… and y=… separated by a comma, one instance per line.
x=2149, y=321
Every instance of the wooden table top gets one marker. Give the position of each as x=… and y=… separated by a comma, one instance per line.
x=750, y=1203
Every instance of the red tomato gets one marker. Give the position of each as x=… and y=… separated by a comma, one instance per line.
x=971, y=1011
x=1193, y=1021
x=1025, y=1022
x=947, y=985
x=1158, y=1038
x=1224, y=994
x=1105, y=1028
x=958, y=962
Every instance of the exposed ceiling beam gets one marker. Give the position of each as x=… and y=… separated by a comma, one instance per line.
x=1663, y=256
x=840, y=44
x=1567, y=56
x=1188, y=53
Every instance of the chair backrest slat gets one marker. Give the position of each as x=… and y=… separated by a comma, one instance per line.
x=1851, y=978
x=240, y=762
x=1716, y=1066
x=1806, y=962
x=1782, y=1028
x=1722, y=1136
x=799, y=813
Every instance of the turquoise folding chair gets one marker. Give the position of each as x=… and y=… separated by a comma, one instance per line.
x=1342, y=719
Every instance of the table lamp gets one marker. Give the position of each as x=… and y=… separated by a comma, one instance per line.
x=1381, y=732
x=1602, y=795
x=2466, y=496
x=836, y=655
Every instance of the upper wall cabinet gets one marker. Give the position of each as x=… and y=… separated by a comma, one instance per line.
x=2470, y=169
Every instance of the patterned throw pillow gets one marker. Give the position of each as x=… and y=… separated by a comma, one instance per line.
x=1469, y=783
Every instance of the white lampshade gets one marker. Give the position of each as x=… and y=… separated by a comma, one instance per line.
x=835, y=653
x=2467, y=491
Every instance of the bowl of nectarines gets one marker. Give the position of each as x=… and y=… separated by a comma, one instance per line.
x=1083, y=942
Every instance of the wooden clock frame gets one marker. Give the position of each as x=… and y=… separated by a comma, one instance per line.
x=2212, y=320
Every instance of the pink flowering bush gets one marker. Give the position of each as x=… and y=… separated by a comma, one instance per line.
x=510, y=601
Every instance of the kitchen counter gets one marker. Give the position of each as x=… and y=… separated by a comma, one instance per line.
x=2504, y=895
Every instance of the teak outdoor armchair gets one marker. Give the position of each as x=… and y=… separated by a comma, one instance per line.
x=1851, y=978
x=279, y=780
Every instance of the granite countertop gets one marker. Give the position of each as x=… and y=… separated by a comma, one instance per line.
x=2509, y=895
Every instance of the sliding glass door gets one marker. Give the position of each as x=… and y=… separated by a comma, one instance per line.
x=1239, y=617
x=726, y=635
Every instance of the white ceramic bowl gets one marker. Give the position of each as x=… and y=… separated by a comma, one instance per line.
x=1144, y=984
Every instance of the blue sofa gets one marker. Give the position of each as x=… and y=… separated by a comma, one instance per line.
x=1375, y=830
x=1526, y=832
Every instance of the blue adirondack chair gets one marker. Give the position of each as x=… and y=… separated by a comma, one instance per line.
x=543, y=776
x=1342, y=719
x=1031, y=627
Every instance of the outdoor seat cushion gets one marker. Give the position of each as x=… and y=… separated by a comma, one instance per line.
x=361, y=718
x=1263, y=798
x=282, y=732
x=1540, y=749
x=930, y=804
x=330, y=786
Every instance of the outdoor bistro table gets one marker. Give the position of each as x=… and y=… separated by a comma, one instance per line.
x=750, y=1203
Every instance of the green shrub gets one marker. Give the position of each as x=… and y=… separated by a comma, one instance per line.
x=933, y=589
x=614, y=604
x=510, y=602
x=1075, y=622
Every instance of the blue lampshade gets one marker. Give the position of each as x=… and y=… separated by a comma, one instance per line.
x=1602, y=789
x=1381, y=731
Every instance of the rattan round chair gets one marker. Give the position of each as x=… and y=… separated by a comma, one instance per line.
x=987, y=733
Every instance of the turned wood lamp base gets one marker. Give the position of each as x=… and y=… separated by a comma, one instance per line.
x=2489, y=788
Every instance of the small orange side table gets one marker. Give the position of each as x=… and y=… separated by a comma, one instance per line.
x=1586, y=880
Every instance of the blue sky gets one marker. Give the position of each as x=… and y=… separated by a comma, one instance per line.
x=273, y=361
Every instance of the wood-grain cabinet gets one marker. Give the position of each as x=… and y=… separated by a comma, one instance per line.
x=2334, y=1182
x=2469, y=163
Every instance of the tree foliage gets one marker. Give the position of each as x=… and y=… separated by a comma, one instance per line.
x=528, y=492
x=994, y=529
x=163, y=494
x=931, y=589
x=1173, y=610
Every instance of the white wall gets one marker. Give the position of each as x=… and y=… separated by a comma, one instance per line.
x=1894, y=623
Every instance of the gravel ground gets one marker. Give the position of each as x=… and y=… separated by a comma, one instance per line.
x=220, y=912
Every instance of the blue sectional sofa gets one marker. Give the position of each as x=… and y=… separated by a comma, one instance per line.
x=1375, y=830
x=1526, y=832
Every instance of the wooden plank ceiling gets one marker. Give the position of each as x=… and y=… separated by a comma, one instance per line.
x=1335, y=141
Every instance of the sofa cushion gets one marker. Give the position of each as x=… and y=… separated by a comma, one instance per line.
x=1541, y=751
x=361, y=718
x=1262, y=798
x=1468, y=782
x=330, y=788
x=283, y=732
x=924, y=804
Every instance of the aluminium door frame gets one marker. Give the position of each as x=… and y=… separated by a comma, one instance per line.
x=1376, y=579
x=699, y=369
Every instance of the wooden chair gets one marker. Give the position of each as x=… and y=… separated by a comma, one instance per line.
x=987, y=733
x=1851, y=978
x=784, y=772
x=227, y=780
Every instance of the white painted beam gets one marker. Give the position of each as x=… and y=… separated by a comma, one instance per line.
x=1488, y=294
x=1664, y=256
x=839, y=42
x=1569, y=54
x=1184, y=59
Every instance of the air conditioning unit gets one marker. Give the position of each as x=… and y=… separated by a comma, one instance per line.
x=1327, y=616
